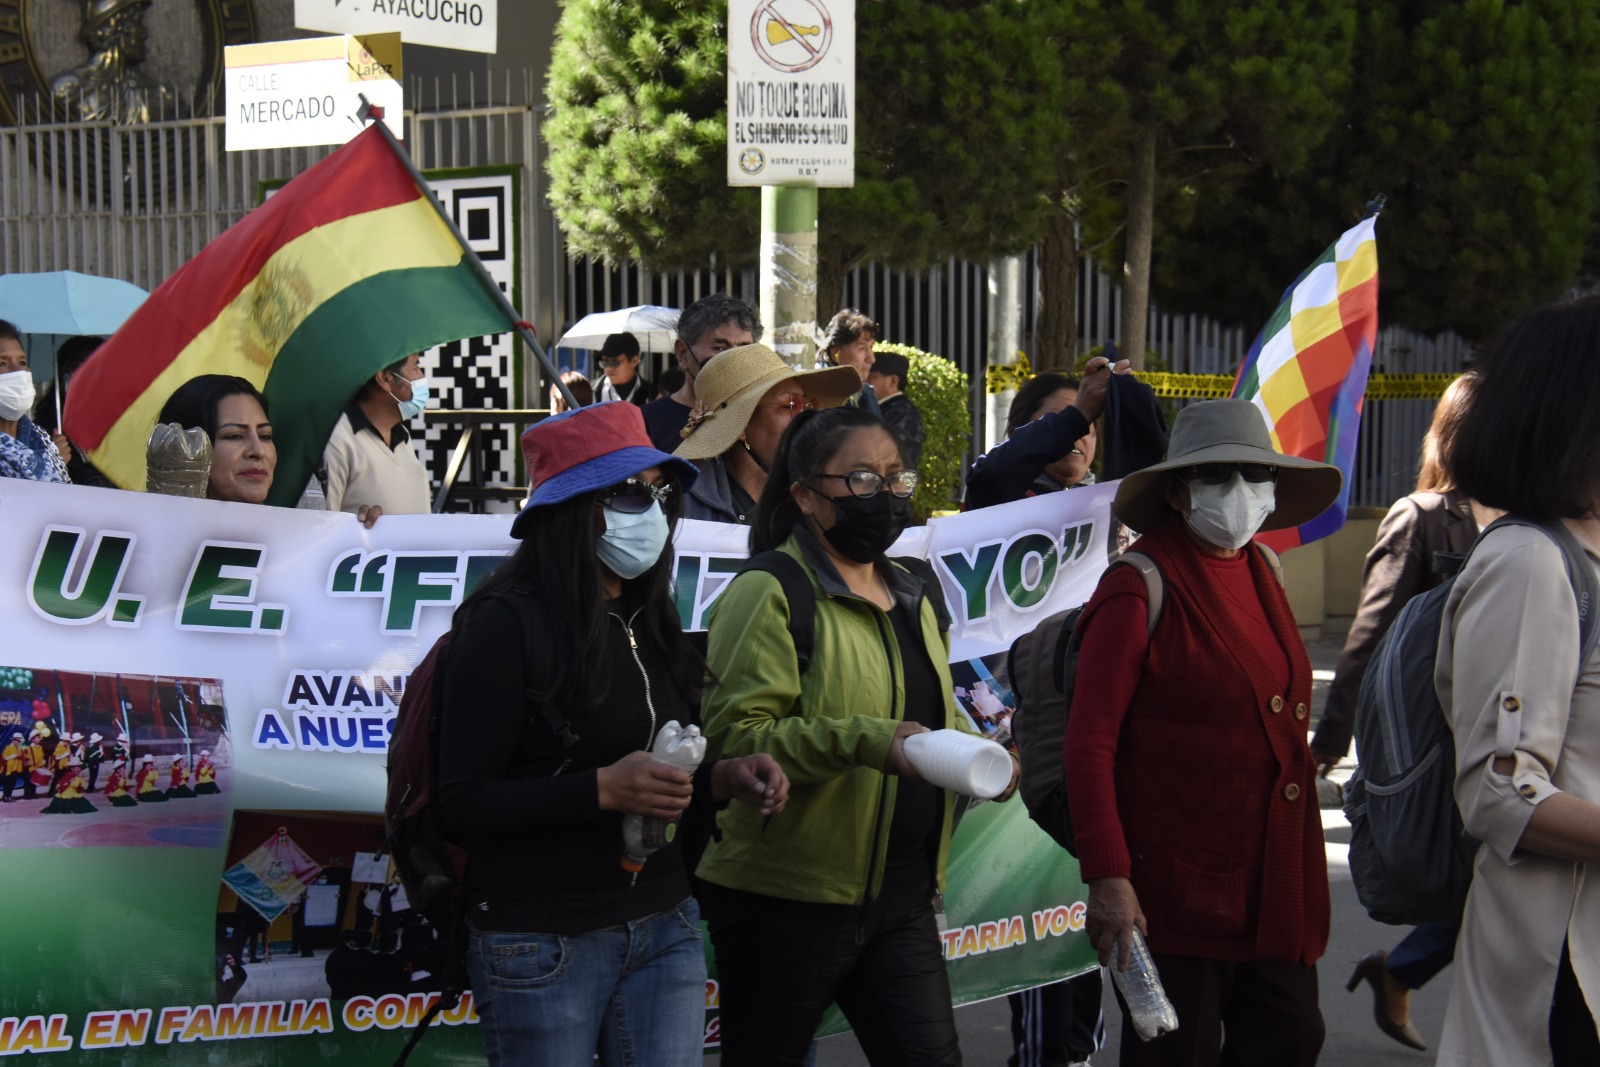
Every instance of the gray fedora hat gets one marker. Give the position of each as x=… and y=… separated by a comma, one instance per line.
x=1228, y=431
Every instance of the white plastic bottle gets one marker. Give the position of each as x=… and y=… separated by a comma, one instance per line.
x=676, y=746
x=1140, y=986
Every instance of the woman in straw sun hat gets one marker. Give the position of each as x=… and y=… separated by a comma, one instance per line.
x=747, y=398
x=1230, y=884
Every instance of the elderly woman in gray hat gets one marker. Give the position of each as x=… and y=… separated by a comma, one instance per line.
x=747, y=398
x=1228, y=884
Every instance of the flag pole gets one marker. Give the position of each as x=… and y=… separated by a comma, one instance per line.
x=373, y=114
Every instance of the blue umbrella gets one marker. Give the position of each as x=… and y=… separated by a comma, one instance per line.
x=66, y=302
x=58, y=304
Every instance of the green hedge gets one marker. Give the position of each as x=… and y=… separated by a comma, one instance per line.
x=939, y=389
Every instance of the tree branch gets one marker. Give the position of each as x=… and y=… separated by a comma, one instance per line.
x=1229, y=145
x=1090, y=250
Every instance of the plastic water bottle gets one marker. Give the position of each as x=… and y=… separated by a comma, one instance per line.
x=1140, y=986
x=677, y=746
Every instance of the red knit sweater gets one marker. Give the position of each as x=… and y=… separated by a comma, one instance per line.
x=1186, y=759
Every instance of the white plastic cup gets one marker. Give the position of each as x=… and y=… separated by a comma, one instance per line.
x=960, y=762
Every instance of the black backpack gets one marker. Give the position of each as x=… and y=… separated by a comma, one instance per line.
x=1043, y=668
x=1410, y=853
x=796, y=584
x=431, y=865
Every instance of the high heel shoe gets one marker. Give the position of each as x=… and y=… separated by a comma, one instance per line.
x=1391, y=1001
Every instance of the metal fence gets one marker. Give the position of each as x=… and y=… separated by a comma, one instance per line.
x=136, y=202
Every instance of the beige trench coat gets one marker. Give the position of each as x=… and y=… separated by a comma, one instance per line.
x=1508, y=652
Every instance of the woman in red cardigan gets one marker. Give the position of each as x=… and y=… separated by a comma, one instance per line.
x=1229, y=884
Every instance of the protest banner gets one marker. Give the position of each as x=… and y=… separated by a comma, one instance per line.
x=262, y=652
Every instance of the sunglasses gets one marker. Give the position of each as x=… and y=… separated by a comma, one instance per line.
x=634, y=497
x=1218, y=473
x=793, y=404
x=866, y=484
x=614, y=361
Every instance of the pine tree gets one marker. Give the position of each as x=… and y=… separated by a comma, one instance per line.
x=1191, y=90
x=1477, y=119
x=957, y=107
x=637, y=138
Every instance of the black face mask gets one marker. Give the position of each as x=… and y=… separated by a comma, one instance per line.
x=864, y=528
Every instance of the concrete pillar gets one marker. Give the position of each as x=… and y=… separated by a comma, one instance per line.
x=789, y=272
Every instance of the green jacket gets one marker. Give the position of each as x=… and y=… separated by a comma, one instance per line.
x=830, y=729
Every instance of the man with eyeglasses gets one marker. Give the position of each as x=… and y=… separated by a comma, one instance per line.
x=620, y=378
x=708, y=327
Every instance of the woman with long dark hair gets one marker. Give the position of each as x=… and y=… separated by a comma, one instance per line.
x=1524, y=708
x=562, y=669
x=835, y=901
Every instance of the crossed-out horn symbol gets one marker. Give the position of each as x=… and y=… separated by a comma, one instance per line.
x=777, y=32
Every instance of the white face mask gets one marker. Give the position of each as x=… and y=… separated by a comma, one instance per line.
x=16, y=394
x=1228, y=515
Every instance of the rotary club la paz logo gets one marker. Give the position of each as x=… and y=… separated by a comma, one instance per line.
x=752, y=161
x=791, y=35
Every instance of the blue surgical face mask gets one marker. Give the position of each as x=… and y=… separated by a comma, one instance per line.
x=632, y=543
x=410, y=409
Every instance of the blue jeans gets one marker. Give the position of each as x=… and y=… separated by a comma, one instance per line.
x=636, y=993
x=1423, y=953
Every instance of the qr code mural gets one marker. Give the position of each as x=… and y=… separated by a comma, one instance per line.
x=479, y=372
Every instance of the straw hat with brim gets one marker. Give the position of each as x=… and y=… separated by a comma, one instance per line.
x=586, y=449
x=1228, y=431
x=733, y=383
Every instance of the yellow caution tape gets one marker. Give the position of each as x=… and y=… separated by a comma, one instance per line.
x=1409, y=386
x=1007, y=377
x=1220, y=386
x=1189, y=386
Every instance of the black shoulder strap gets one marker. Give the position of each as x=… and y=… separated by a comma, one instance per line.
x=534, y=664
x=931, y=588
x=796, y=584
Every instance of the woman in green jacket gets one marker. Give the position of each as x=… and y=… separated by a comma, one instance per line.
x=835, y=901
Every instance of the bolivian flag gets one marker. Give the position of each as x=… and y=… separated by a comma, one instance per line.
x=1307, y=371
x=345, y=270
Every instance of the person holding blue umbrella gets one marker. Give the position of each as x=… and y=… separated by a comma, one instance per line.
x=53, y=397
x=25, y=450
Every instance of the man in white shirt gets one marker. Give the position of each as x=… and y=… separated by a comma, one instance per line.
x=369, y=459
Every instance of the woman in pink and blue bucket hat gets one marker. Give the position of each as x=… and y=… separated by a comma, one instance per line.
x=562, y=669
